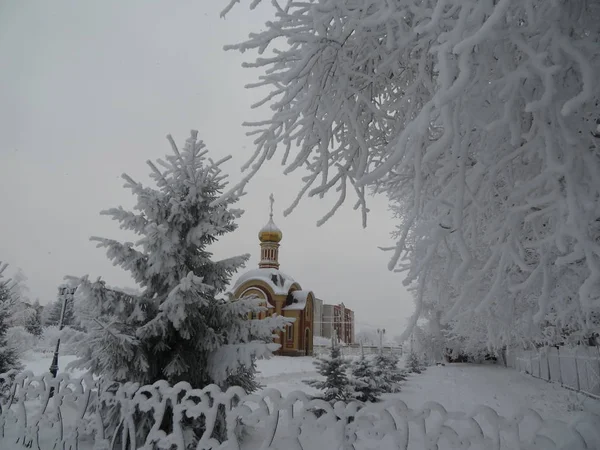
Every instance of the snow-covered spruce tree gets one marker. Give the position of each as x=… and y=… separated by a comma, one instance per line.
x=336, y=386
x=21, y=310
x=478, y=119
x=8, y=356
x=387, y=372
x=365, y=380
x=412, y=363
x=33, y=323
x=55, y=310
x=178, y=328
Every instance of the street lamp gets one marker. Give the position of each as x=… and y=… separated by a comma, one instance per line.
x=66, y=293
x=380, y=332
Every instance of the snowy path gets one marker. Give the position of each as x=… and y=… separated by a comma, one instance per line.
x=39, y=363
x=460, y=387
x=287, y=374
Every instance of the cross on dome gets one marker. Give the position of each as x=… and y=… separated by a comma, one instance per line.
x=270, y=232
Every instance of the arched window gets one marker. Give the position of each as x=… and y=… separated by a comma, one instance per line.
x=290, y=332
x=254, y=291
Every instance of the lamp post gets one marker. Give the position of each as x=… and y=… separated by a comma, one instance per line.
x=66, y=293
x=380, y=332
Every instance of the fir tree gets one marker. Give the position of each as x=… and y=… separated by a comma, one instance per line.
x=33, y=323
x=412, y=363
x=367, y=385
x=387, y=372
x=55, y=310
x=336, y=385
x=178, y=328
x=8, y=356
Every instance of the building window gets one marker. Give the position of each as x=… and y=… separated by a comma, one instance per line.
x=290, y=332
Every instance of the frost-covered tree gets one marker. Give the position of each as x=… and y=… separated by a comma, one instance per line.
x=22, y=310
x=19, y=288
x=33, y=323
x=387, y=372
x=431, y=340
x=9, y=359
x=368, y=336
x=180, y=328
x=336, y=386
x=478, y=119
x=412, y=363
x=365, y=380
x=55, y=310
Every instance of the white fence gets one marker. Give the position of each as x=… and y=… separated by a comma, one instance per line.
x=355, y=350
x=75, y=417
x=577, y=368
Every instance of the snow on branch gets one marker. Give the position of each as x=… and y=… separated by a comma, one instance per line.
x=478, y=120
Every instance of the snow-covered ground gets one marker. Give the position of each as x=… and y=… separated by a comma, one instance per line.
x=286, y=373
x=40, y=363
x=458, y=387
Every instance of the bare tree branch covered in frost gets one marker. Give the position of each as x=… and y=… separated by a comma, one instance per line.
x=477, y=118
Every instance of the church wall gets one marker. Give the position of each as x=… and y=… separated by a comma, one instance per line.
x=318, y=317
x=291, y=347
x=309, y=322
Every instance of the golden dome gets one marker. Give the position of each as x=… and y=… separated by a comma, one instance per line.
x=270, y=232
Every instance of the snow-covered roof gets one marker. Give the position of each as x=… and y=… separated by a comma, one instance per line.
x=279, y=282
x=300, y=298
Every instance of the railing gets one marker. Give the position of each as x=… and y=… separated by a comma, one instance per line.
x=40, y=412
x=577, y=368
x=355, y=350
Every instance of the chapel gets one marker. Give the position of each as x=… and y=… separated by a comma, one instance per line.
x=282, y=295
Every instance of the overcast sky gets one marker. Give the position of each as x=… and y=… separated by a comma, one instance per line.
x=89, y=90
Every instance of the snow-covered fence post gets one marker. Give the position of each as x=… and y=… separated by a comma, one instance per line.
x=560, y=378
x=548, y=363
x=539, y=363
x=588, y=386
x=577, y=370
x=598, y=375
